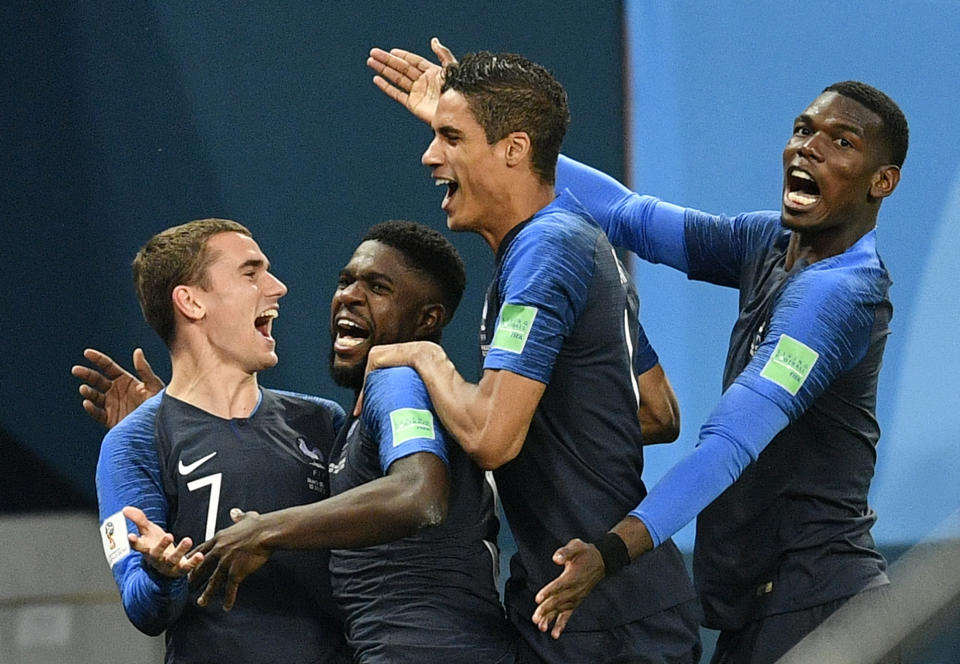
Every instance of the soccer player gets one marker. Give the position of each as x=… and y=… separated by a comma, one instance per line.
x=782, y=471
x=417, y=582
x=214, y=438
x=556, y=410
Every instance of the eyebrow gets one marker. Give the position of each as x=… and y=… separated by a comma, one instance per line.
x=449, y=132
x=253, y=262
x=842, y=126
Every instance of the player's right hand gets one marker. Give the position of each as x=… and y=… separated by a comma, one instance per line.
x=111, y=393
x=156, y=546
x=410, y=79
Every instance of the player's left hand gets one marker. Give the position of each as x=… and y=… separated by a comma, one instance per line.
x=230, y=556
x=582, y=570
x=405, y=354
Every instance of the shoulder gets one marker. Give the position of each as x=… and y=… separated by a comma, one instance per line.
x=135, y=428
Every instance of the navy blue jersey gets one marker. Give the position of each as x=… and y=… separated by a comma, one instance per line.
x=794, y=434
x=810, y=340
x=561, y=310
x=186, y=468
x=432, y=596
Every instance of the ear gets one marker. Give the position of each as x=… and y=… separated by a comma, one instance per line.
x=432, y=318
x=517, y=147
x=186, y=303
x=885, y=180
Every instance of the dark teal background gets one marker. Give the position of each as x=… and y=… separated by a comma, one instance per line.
x=120, y=119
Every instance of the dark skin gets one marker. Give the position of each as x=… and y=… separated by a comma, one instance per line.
x=385, y=301
x=836, y=174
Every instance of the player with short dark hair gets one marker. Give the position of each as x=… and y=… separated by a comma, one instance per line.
x=555, y=413
x=781, y=475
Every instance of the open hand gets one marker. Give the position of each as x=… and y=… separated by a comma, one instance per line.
x=410, y=79
x=582, y=570
x=111, y=393
x=156, y=546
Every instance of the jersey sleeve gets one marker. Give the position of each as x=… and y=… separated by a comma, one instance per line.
x=397, y=411
x=128, y=473
x=544, y=280
x=819, y=328
x=644, y=356
x=647, y=226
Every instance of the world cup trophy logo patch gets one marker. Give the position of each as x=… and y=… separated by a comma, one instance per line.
x=108, y=532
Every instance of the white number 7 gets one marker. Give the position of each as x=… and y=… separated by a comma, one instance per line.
x=214, y=482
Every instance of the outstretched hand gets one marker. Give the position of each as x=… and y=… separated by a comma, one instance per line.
x=156, y=546
x=229, y=557
x=111, y=393
x=582, y=570
x=410, y=79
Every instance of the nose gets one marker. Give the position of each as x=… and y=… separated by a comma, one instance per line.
x=277, y=287
x=349, y=294
x=809, y=147
x=431, y=156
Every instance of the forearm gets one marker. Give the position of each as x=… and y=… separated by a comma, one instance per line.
x=384, y=510
x=151, y=601
x=489, y=419
x=733, y=437
x=659, y=412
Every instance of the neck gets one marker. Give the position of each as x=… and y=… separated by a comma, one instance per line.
x=205, y=381
x=816, y=246
x=520, y=206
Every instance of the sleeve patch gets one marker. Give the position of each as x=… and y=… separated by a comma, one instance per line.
x=790, y=364
x=113, y=534
x=410, y=423
x=512, y=333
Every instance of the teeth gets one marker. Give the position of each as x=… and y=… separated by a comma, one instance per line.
x=269, y=313
x=801, y=198
x=797, y=173
x=348, y=342
x=344, y=323
x=441, y=182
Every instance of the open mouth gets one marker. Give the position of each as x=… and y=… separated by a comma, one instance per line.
x=348, y=334
x=264, y=322
x=452, y=187
x=802, y=190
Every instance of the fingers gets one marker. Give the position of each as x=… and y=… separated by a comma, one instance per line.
x=99, y=414
x=106, y=363
x=213, y=585
x=145, y=371
x=561, y=623
x=444, y=54
x=394, y=69
x=93, y=378
x=391, y=91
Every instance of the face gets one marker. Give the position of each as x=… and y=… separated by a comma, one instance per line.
x=378, y=300
x=831, y=164
x=471, y=169
x=240, y=303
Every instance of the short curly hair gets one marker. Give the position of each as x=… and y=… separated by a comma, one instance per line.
x=429, y=252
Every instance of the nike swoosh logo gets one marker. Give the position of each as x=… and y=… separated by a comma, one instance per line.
x=189, y=468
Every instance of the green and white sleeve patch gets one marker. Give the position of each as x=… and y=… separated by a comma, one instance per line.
x=113, y=535
x=514, y=327
x=410, y=423
x=790, y=364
